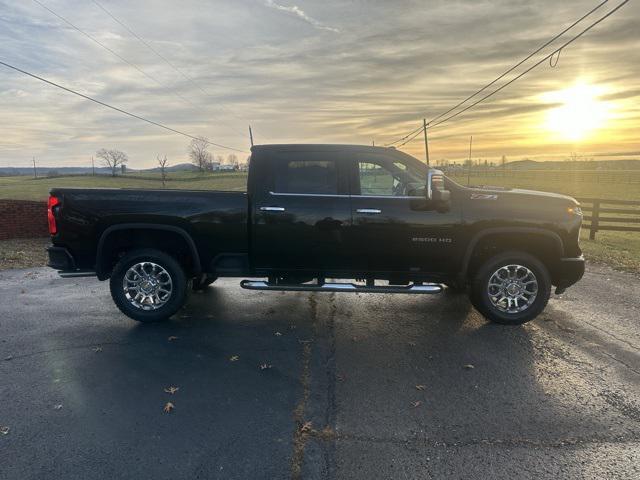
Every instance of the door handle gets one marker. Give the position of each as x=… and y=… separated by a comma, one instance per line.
x=272, y=209
x=373, y=211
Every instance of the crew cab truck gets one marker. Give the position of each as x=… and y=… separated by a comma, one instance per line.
x=313, y=217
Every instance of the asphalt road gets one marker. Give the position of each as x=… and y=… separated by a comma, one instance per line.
x=82, y=386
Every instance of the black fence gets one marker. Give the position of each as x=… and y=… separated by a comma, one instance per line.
x=601, y=214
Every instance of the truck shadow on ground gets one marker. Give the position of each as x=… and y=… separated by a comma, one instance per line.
x=237, y=359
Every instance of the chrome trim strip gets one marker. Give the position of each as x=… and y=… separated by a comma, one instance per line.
x=369, y=210
x=77, y=274
x=277, y=194
x=272, y=209
x=342, y=287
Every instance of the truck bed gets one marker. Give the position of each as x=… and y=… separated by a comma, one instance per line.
x=203, y=214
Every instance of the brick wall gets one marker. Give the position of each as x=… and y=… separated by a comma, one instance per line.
x=23, y=219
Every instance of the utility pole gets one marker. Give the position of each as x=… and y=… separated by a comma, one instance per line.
x=93, y=167
x=373, y=143
x=250, y=135
x=469, y=171
x=35, y=170
x=426, y=143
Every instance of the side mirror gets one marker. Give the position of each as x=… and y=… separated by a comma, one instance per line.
x=435, y=191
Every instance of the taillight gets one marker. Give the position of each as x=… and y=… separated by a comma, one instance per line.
x=53, y=201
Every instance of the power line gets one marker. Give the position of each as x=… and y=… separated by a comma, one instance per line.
x=115, y=54
x=500, y=77
x=162, y=57
x=417, y=132
x=120, y=110
x=547, y=57
x=403, y=138
x=430, y=122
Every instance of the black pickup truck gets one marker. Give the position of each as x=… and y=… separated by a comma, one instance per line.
x=315, y=214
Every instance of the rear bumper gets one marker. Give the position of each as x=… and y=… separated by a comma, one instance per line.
x=570, y=270
x=61, y=259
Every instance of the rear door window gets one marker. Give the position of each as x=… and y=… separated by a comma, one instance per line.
x=307, y=177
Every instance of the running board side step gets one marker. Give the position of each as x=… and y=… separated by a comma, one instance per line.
x=342, y=287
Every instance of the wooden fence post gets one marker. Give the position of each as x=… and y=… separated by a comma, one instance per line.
x=595, y=214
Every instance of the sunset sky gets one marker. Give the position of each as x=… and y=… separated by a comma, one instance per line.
x=331, y=71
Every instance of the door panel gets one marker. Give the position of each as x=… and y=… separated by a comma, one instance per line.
x=307, y=235
x=393, y=231
x=301, y=225
x=403, y=237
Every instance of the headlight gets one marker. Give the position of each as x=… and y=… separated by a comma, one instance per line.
x=575, y=210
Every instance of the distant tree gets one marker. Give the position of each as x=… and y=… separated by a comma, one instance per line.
x=112, y=159
x=220, y=159
x=232, y=159
x=52, y=173
x=162, y=163
x=199, y=154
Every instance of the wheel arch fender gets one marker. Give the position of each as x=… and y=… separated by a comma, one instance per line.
x=102, y=270
x=554, y=239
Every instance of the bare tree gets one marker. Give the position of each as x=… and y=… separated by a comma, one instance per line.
x=162, y=163
x=112, y=159
x=199, y=154
x=232, y=159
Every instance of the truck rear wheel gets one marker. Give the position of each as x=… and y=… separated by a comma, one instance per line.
x=148, y=285
x=511, y=288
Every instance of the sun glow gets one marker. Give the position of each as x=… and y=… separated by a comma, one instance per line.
x=580, y=114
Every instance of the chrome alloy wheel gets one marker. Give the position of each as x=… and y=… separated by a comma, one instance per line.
x=512, y=288
x=147, y=286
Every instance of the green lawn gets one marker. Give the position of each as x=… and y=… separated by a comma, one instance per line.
x=29, y=188
x=568, y=185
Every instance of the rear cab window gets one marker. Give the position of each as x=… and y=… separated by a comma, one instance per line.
x=307, y=174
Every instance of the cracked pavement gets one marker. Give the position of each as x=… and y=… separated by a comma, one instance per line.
x=556, y=398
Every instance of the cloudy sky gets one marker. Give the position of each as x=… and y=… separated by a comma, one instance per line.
x=339, y=71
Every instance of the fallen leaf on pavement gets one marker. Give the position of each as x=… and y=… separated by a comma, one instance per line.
x=97, y=349
x=341, y=377
x=168, y=407
x=468, y=366
x=278, y=334
x=4, y=430
x=171, y=390
x=416, y=404
x=234, y=358
x=265, y=366
x=8, y=357
x=420, y=387
x=58, y=407
x=306, y=427
x=172, y=338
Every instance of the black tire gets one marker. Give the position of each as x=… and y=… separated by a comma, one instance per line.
x=481, y=299
x=201, y=282
x=178, y=285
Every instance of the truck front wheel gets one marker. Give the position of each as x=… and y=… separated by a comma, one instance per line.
x=511, y=288
x=148, y=285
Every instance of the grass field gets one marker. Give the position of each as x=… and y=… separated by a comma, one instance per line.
x=618, y=249
x=29, y=188
x=568, y=185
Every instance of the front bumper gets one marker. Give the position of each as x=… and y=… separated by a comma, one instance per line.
x=569, y=271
